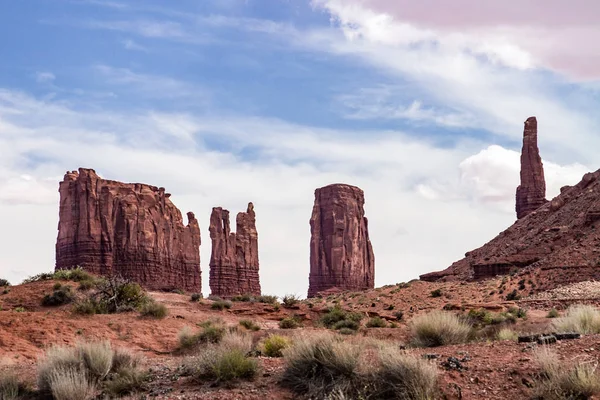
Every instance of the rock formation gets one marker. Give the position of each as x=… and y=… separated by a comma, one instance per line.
x=558, y=243
x=531, y=193
x=130, y=229
x=234, y=256
x=341, y=255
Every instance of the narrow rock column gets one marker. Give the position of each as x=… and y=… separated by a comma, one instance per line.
x=531, y=193
x=234, y=258
x=341, y=254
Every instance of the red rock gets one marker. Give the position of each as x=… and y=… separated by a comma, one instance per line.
x=531, y=193
x=130, y=229
x=341, y=255
x=234, y=257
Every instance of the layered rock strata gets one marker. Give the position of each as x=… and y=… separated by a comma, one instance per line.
x=130, y=229
x=234, y=258
x=341, y=254
x=531, y=193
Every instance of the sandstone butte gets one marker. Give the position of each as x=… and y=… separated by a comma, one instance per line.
x=531, y=193
x=234, y=256
x=341, y=254
x=129, y=229
x=557, y=241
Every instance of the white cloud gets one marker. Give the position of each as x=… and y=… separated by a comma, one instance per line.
x=44, y=77
x=130, y=44
x=409, y=183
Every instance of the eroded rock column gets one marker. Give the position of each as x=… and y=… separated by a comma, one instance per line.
x=341, y=254
x=234, y=266
x=531, y=193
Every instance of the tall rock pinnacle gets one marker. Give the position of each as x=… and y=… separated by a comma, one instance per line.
x=129, y=229
x=531, y=193
x=341, y=255
x=234, y=256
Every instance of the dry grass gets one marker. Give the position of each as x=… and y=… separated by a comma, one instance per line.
x=582, y=319
x=97, y=357
x=558, y=381
x=507, y=334
x=70, y=384
x=10, y=387
x=439, y=328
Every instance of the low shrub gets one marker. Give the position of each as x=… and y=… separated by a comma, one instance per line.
x=62, y=295
x=289, y=323
x=439, y=328
x=347, y=331
x=320, y=365
x=346, y=324
x=221, y=305
x=75, y=275
x=290, y=300
x=196, y=297
x=582, y=319
x=87, y=284
x=399, y=315
x=250, y=325
x=436, y=293
x=376, y=322
x=11, y=388
x=553, y=313
x=70, y=384
x=210, y=334
x=113, y=295
x=154, y=309
x=242, y=298
x=558, y=381
x=267, y=299
x=4, y=283
x=512, y=296
x=507, y=334
x=274, y=345
x=332, y=319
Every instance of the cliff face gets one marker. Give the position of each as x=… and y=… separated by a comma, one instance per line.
x=341, y=255
x=531, y=193
x=234, y=257
x=131, y=229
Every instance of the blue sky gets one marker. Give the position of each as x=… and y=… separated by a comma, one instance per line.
x=225, y=102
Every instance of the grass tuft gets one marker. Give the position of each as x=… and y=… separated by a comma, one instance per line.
x=439, y=328
x=274, y=345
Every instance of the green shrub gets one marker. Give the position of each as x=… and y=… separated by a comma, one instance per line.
x=75, y=275
x=346, y=324
x=267, y=299
x=89, y=307
x=250, y=325
x=582, y=319
x=196, y=297
x=274, y=345
x=439, y=328
x=113, y=295
x=560, y=381
x=62, y=295
x=221, y=305
x=319, y=365
x=518, y=312
x=336, y=314
x=19, y=309
x=154, y=310
x=347, y=331
x=210, y=334
x=44, y=276
x=514, y=295
x=399, y=315
x=553, y=313
x=242, y=298
x=290, y=300
x=376, y=322
x=436, y=293
x=289, y=323
x=4, y=283
x=87, y=284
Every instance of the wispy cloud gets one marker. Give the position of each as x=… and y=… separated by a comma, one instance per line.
x=130, y=44
x=44, y=76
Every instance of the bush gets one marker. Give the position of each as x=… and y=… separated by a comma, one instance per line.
x=210, y=334
x=320, y=365
x=113, y=295
x=507, y=334
x=250, y=325
x=439, y=328
x=87, y=284
x=196, y=297
x=399, y=315
x=335, y=315
x=553, y=313
x=402, y=376
x=44, y=276
x=346, y=324
x=347, y=331
x=274, y=345
x=10, y=387
x=89, y=307
x=376, y=322
x=266, y=299
x=4, y=283
x=290, y=300
x=514, y=295
x=75, y=372
x=579, y=381
x=289, y=323
x=436, y=293
x=582, y=319
x=242, y=298
x=154, y=310
x=221, y=305
x=62, y=295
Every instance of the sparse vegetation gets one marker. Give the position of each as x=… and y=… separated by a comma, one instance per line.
x=274, y=345
x=221, y=305
x=337, y=318
x=196, y=297
x=376, y=322
x=267, y=299
x=553, y=313
x=4, y=283
x=507, y=334
x=513, y=296
x=399, y=315
x=243, y=298
x=289, y=323
x=76, y=372
x=439, y=328
x=62, y=295
x=250, y=325
x=154, y=309
x=11, y=388
x=558, y=381
x=436, y=293
x=582, y=319
x=290, y=300
x=210, y=333
x=113, y=295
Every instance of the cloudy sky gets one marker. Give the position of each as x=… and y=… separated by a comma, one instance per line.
x=222, y=102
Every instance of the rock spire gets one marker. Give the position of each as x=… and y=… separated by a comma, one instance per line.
x=531, y=193
x=234, y=257
x=129, y=229
x=341, y=255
